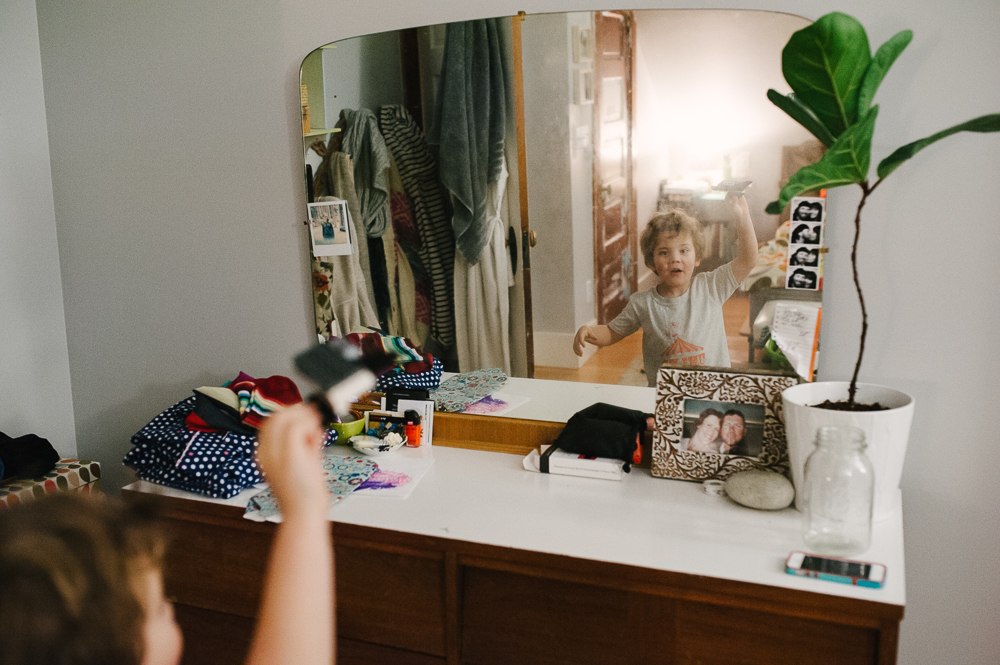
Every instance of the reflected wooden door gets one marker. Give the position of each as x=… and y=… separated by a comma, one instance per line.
x=615, y=237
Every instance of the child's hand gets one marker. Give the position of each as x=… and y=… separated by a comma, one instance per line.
x=289, y=455
x=584, y=336
x=738, y=203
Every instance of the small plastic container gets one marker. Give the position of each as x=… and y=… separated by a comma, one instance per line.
x=412, y=428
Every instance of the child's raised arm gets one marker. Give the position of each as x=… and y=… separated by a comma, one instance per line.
x=295, y=621
x=746, y=251
x=596, y=335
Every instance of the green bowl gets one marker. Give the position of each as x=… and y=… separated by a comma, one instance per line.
x=348, y=429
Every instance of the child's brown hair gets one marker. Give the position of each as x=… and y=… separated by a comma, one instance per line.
x=672, y=222
x=72, y=570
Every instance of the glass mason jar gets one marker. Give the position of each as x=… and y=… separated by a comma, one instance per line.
x=838, y=493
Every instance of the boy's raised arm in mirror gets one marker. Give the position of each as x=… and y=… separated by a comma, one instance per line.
x=746, y=248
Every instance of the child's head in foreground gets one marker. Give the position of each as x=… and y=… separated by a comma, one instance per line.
x=80, y=583
x=672, y=246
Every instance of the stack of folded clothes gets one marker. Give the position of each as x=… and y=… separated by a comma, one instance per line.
x=206, y=443
x=412, y=368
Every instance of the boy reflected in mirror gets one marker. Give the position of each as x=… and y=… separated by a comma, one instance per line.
x=681, y=317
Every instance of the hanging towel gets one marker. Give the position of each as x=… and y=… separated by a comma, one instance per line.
x=472, y=117
x=366, y=147
x=419, y=174
x=341, y=284
x=482, y=304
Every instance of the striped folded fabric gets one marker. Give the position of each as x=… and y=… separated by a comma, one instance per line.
x=259, y=398
x=243, y=404
x=411, y=369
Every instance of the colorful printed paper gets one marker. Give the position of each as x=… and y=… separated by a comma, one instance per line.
x=344, y=474
x=461, y=390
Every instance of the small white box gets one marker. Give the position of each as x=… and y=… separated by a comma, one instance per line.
x=573, y=464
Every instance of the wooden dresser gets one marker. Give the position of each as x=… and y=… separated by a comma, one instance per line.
x=487, y=563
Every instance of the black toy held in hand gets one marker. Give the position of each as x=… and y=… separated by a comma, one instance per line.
x=342, y=374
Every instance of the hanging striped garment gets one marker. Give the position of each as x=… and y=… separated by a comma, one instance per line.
x=419, y=172
x=410, y=281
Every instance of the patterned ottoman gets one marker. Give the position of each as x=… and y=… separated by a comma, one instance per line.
x=70, y=475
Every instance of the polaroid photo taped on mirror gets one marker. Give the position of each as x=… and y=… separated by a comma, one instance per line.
x=329, y=228
x=808, y=209
x=803, y=279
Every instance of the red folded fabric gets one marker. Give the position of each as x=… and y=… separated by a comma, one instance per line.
x=407, y=356
x=193, y=422
x=259, y=398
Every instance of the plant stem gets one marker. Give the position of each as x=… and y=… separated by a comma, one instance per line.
x=866, y=191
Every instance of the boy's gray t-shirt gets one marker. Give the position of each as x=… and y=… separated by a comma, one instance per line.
x=686, y=330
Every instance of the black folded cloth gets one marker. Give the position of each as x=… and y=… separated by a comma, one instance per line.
x=603, y=430
x=28, y=456
x=220, y=415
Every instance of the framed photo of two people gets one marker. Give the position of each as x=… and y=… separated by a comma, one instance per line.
x=711, y=424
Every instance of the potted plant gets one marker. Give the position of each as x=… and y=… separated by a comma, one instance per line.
x=834, y=78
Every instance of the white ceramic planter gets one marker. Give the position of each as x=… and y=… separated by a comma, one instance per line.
x=887, y=433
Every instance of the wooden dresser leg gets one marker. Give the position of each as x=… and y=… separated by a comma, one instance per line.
x=888, y=643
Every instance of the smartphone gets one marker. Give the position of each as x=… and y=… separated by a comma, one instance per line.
x=833, y=569
x=734, y=186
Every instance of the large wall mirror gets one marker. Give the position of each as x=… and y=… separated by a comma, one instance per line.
x=499, y=173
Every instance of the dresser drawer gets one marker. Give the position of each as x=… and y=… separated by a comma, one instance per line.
x=391, y=597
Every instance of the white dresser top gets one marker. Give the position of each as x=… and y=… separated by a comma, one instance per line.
x=556, y=401
x=670, y=525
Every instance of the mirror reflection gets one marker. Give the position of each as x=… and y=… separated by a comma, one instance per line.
x=488, y=255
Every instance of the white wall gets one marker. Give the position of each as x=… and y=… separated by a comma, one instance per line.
x=699, y=77
x=174, y=133
x=35, y=393
x=362, y=73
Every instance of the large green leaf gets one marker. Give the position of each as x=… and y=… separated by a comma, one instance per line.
x=825, y=64
x=886, y=55
x=801, y=114
x=845, y=163
x=983, y=124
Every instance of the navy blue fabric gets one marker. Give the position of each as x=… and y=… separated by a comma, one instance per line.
x=216, y=464
x=397, y=378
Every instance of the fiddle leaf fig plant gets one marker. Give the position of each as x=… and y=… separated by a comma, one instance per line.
x=834, y=78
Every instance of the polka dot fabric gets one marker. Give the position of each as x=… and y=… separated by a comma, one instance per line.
x=216, y=464
x=397, y=378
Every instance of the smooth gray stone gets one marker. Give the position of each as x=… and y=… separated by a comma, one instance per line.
x=764, y=490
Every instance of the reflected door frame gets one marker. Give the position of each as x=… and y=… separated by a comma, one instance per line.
x=615, y=231
x=526, y=235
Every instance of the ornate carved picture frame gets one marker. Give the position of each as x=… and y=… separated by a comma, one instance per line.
x=695, y=408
